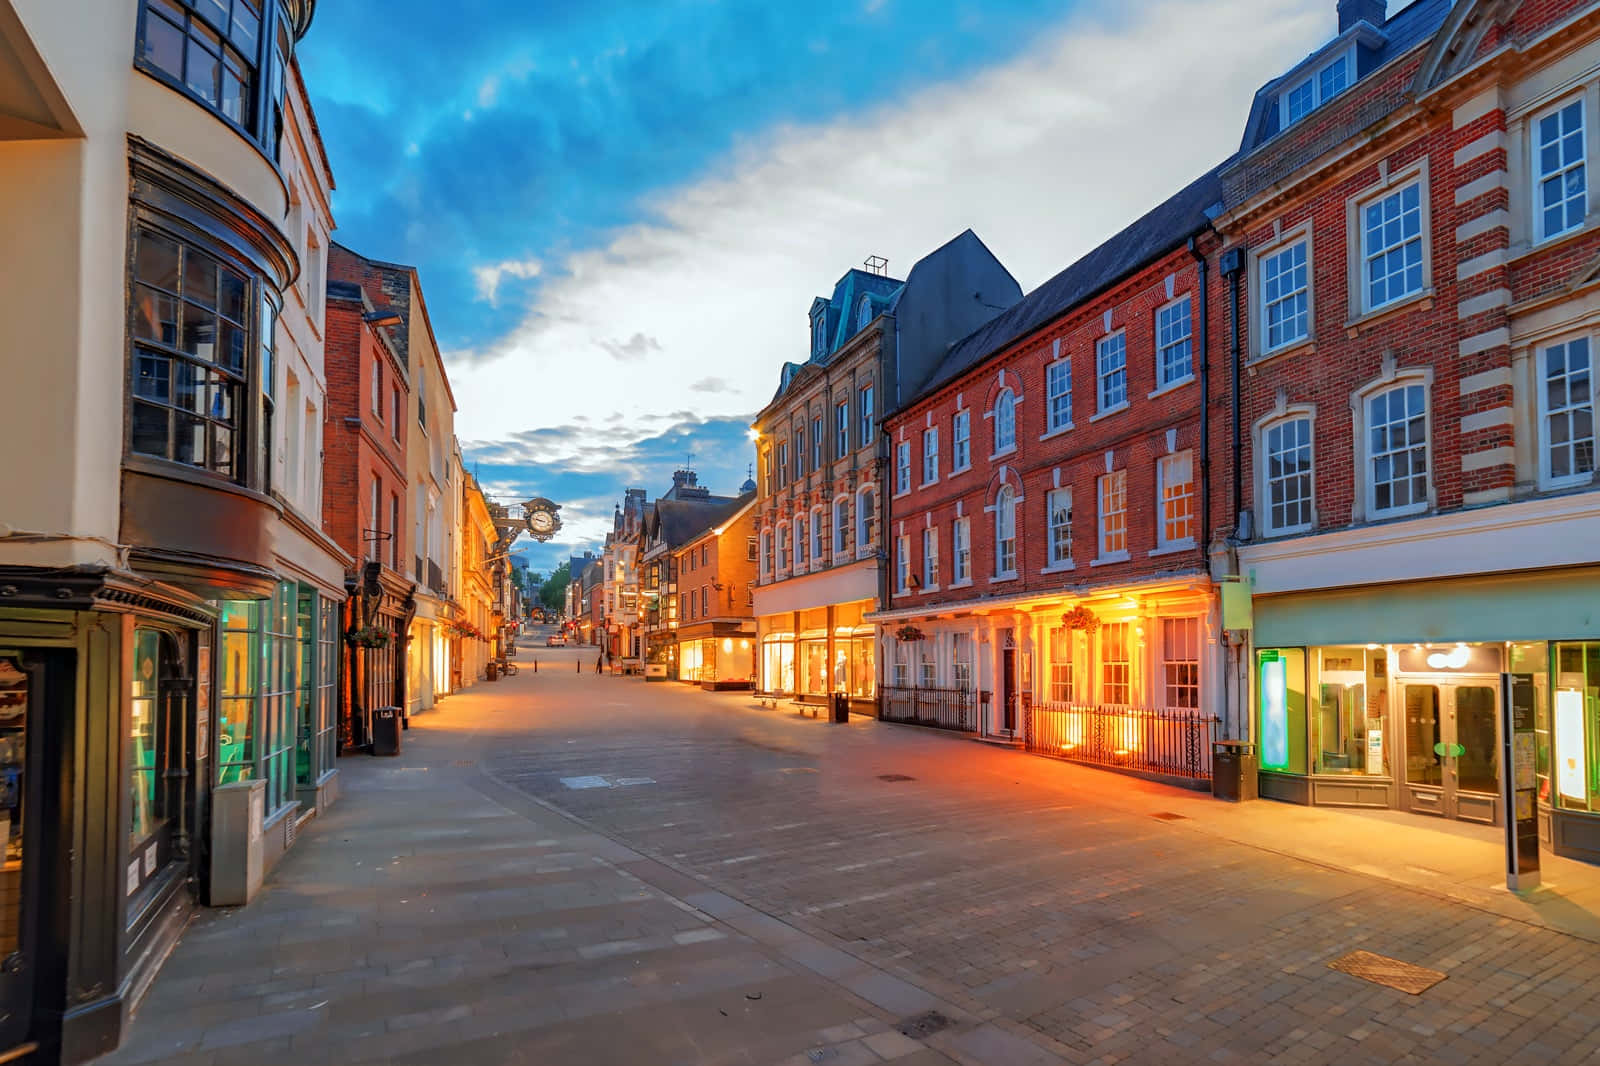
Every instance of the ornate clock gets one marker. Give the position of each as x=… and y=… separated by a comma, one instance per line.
x=542, y=518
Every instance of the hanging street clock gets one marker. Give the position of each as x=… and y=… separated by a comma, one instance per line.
x=542, y=518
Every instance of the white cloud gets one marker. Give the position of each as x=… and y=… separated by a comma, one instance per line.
x=1044, y=157
x=489, y=277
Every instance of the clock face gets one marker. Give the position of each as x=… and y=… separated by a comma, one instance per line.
x=541, y=522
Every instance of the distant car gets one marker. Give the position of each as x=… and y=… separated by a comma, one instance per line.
x=555, y=640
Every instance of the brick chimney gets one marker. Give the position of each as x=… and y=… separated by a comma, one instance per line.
x=1351, y=12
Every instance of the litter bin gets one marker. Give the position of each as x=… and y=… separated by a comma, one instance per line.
x=386, y=731
x=1233, y=770
x=491, y=671
x=841, y=707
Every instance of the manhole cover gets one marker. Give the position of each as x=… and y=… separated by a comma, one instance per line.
x=895, y=777
x=1168, y=816
x=922, y=1026
x=1391, y=973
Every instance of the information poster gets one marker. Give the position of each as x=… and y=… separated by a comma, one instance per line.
x=1274, y=712
x=1374, y=751
x=1518, y=782
x=1569, y=746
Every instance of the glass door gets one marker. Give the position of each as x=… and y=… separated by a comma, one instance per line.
x=1452, y=748
x=20, y=694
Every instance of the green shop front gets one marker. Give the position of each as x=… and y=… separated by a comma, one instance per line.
x=1388, y=696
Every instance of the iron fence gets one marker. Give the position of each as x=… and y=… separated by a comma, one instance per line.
x=940, y=708
x=1161, y=740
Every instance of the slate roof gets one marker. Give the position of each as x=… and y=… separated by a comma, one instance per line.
x=1162, y=229
x=1403, y=32
x=680, y=521
x=843, y=307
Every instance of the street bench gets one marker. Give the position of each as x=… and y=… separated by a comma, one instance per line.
x=769, y=700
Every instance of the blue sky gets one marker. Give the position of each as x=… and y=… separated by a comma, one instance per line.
x=621, y=211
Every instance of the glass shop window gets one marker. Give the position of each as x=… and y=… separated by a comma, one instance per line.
x=1533, y=659
x=1349, y=701
x=1281, y=708
x=236, y=699
x=148, y=738
x=1576, y=685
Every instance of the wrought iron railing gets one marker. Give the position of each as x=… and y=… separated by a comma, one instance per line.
x=940, y=708
x=1161, y=740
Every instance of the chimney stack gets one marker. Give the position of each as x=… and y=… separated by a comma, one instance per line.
x=1351, y=12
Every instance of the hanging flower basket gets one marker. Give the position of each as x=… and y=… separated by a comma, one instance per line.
x=1080, y=617
x=370, y=637
x=908, y=633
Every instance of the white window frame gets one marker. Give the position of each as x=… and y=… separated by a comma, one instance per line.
x=1362, y=415
x=1005, y=533
x=902, y=564
x=864, y=402
x=1164, y=468
x=1185, y=341
x=816, y=443
x=1105, y=374
x=818, y=539
x=1537, y=176
x=1053, y=531
x=841, y=526
x=783, y=548
x=1058, y=386
x=930, y=455
x=801, y=543
x=902, y=468
x=1264, y=480
x=1258, y=292
x=1005, y=418
x=1319, y=92
x=841, y=429
x=930, y=558
x=961, y=552
x=1103, y=531
x=1541, y=389
x=767, y=569
x=865, y=519
x=961, y=443
x=1395, y=187
x=1164, y=676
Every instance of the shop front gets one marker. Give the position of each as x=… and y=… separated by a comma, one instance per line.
x=1389, y=697
x=814, y=637
x=717, y=655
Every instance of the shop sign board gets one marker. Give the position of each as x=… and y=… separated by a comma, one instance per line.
x=1517, y=782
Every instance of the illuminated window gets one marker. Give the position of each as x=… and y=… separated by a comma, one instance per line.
x=1061, y=665
x=1175, y=482
x=1180, y=651
x=1115, y=667
x=1114, y=515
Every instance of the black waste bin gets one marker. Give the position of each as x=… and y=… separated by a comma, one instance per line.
x=491, y=671
x=386, y=731
x=841, y=707
x=1234, y=766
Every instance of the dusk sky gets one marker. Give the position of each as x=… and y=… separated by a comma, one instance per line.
x=622, y=212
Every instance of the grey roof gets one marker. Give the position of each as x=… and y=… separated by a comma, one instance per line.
x=1165, y=227
x=679, y=521
x=1400, y=34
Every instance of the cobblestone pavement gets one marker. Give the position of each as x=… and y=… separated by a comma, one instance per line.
x=566, y=868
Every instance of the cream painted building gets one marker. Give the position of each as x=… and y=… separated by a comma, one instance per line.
x=430, y=456
x=168, y=624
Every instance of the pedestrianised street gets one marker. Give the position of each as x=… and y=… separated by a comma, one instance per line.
x=569, y=868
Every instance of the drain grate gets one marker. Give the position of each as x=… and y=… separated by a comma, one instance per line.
x=895, y=777
x=922, y=1026
x=1168, y=816
x=1391, y=973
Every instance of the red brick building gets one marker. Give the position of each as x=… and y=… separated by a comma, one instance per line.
x=716, y=579
x=1410, y=230
x=1047, y=509
x=364, y=497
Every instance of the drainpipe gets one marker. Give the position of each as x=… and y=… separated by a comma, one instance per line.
x=1232, y=267
x=1200, y=265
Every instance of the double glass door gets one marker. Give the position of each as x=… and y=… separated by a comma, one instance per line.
x=1452, y=747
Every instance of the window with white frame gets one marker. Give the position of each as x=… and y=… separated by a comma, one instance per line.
x=866, y=520
x=864, y=406
x=1180, y=666
x=1174, y=352
x=1061, y=665
x=1391, y=246
x=1286, y=475
x=961, y=441
x=816, y=442
x=799, y=453
x=841, y=527
x=819, y=533
x=766, y=553
x=1317, y=88
x=800, y=542
x=930, y=455
x=1005, y=532
x=1397, y=450
x=1116, y=673
x=961, y=550
x=841, y=429
x=1005, y=421
x=1058, y=394
x=902, y=467
x=930, y=558
x=1111, y=363
x=930, y=665
x=961, y=660
x=1285, y=296
x=1566, y=413
x=783, y=548
x=1058, y=506
x=783, y=463
x=1175, y=482
x=1114, y=514
x=902, y=563
x=1561, y=189
x=902, y=664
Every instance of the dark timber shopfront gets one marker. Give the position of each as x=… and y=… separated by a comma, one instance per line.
x=1389, y=696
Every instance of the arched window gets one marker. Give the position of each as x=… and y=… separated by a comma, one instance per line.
x=1005, y=532
x=866, y=520
x=841, y=527
x=864, y=312
x=766, y=553
x=800, y=543
x=1005, y=421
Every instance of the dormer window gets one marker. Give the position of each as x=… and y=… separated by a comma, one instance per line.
x=864, y=312
x=1318, y=87
x=819, y=336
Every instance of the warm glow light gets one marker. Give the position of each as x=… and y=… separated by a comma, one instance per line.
x=755, y=434
x=727, y=644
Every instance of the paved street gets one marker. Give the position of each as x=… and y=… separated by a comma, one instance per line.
x=567, y=868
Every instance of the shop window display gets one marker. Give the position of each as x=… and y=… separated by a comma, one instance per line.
x=1576, y=684
x=1281, y=696
x=236, y=755
x=814, y=666
x=1349, y=699
x=147, y=725
x=15, y=686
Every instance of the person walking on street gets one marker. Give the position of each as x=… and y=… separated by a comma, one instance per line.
x=598, y=659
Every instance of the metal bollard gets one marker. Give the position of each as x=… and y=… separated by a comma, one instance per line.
x=580, y=665
x=536, y=666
